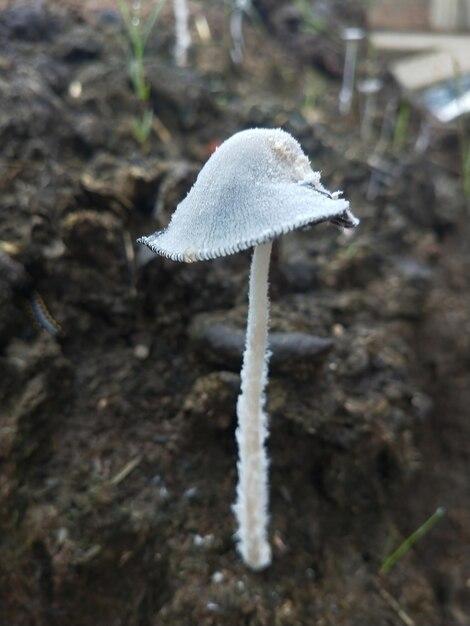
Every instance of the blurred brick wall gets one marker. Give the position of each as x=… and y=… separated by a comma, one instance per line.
x=399, y=14
x=440, y=15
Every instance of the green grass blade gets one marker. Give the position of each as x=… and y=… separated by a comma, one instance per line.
x=143, y=127
x=126, y=15
x=150, y=23
x=401, y=127
x=409, y=542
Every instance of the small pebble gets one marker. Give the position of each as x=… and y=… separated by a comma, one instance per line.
x=217, y=577
x=225, y=344
x=163, y=493
x=203, y=541
x=141, y=351
x=191, y=493
x=338, y=330
x=102, y=404
x=75, y=89
x=311, y=573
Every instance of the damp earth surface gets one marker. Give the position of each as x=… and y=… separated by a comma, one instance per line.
x=117, y=444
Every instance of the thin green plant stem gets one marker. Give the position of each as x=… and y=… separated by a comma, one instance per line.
x=464, y=139
x=138, y=32
x=142, y=127
x=401, y=127
x=391, y=560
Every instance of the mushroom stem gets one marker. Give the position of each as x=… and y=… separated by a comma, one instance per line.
x=183, y=36
x=236, y=31
x=368, y=116
x=252, y=491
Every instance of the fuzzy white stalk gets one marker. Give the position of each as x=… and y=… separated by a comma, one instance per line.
x=352, y=37
x=236, y=31
x=251, y=507
x=183, y=36
x=349, y=73
x=368, y=116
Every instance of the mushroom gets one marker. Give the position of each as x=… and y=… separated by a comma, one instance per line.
x=183, y=36
x=352, y=37
x=240, y=8
x=256, y=186
x=369, y=87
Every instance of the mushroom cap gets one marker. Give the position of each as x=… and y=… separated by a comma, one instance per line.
x=353, y=33
x=256, y=186
x=370, y=85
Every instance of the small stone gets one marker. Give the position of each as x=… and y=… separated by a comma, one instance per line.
x=279, y=543
x=422, y=403
x=141, y=351
x=217, y=577
x=338, y=330
x=191, y=493
x=163, y=493
x=75, y=89
x=203, y=541
x=224, y=344
x=102, y=404
x=310, y=573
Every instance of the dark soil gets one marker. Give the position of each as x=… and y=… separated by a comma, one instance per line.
x=117, y=450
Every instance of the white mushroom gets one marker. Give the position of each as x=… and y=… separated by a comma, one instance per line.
x=255, y=187
x=352, y=37
x=240, y=8
x=369, y=87
x=182, y=34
